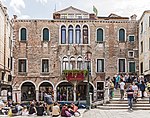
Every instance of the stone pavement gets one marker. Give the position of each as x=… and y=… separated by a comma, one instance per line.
x=97, y=113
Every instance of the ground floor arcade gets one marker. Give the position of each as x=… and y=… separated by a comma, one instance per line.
x=61, y=91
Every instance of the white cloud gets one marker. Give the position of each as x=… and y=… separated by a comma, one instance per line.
x=17, y=5
x=42, y=1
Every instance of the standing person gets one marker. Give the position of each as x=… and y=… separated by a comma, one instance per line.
x=49, y=101
x=122, y=84
x=111, y=89
x=142, y=88
x=135, y=89
x=117, y=81
x=130, y=93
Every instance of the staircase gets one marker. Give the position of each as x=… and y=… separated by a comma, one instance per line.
x=117, y=104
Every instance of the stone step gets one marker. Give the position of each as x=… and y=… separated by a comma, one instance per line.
x=125, y=105
x=121, y=108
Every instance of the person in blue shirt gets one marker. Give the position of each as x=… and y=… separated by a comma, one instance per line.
x=130, y=93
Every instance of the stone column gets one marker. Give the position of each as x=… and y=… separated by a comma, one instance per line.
x=90, y=100
x=74, y=92
x=37, y=95
x=55, y=95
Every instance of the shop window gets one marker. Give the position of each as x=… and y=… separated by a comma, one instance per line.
x=132, y=67
x=45, y=34
x=70, y=34
x=22, y=65
x=23, y=34
x=100, y=65
x=121, y=35
x=121, y=65
x=85, y=35
x=78, y=34
x=45, y=65
x=63, y=35
x=100, y=35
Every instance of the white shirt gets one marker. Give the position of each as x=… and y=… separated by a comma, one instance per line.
x=134, y=87
x=122, y=85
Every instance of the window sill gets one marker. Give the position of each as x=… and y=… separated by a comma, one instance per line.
x=45, y=73
x=22, y=73
x=23, y=41
x=99, y=41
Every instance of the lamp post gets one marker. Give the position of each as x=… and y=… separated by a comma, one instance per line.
x=88, y=58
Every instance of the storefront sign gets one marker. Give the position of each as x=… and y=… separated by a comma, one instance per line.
x=75, y=76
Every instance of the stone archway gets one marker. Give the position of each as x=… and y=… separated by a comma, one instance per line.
x=45, y=87
x=81, y=90
x=64, y=91
x=28, y=92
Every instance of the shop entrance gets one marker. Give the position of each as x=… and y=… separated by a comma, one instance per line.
x=28, y=92
x=45, y=87
x=82, y=91
x=65, y=91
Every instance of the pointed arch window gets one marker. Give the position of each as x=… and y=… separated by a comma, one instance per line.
x=85, y=34
x=23, y=34
x=79, y=63
x=72, y=63
x=63, y=35
x=78, y=34
x=70, y=34
x=100, y=37
x=65, y=63
x=45, y=34
x=121, y=35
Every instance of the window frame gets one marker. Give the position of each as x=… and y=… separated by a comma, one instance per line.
x=42, y=65
x=70, y=25
x=43, y=34
x=118, y=65
x=20, y=34
x=129, y=55
x=124, y=35
x=26, y=65
x=80, y=31
x=97, y=65
x=129, y=38
x=129, y=66
x=66, y=43
x=102, y=36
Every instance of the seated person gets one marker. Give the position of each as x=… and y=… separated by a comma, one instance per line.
x=55, y=110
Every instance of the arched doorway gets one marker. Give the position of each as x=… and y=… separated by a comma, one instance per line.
x=65, y=91
x=28, y=92
x=45, y=87
x=82, y=91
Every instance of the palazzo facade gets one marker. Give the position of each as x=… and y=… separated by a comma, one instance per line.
x=47, y=52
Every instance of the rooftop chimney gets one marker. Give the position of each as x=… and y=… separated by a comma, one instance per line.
x=133, y=17
x=15, y=16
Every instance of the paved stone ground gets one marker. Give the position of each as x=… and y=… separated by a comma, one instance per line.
x=97, y=113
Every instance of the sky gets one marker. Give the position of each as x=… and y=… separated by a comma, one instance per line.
x=44, y=9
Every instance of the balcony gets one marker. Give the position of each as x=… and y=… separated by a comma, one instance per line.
x=75, y=75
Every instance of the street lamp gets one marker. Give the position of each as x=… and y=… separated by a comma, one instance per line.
x=88, y=58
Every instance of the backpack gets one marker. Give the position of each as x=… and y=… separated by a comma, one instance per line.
x=112, y=85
